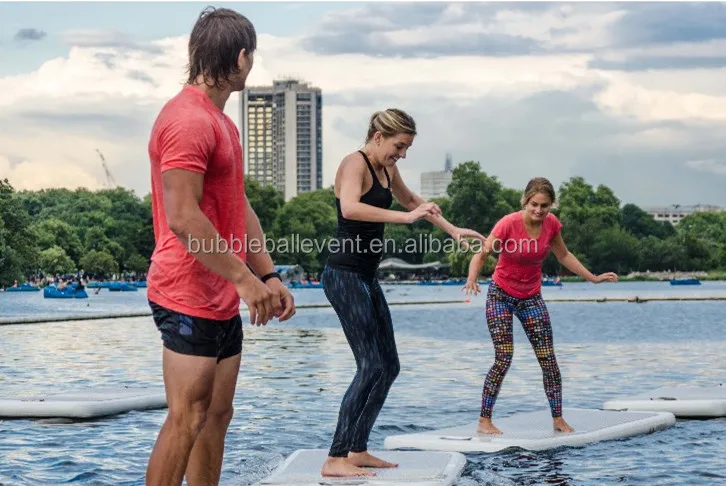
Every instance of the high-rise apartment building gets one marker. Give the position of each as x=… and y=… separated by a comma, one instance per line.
x=281, y=129
x=434, y=184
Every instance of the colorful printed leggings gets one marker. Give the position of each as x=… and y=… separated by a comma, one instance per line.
x=532, y=313
x=366, y=321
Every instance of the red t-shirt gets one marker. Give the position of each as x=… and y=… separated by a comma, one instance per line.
x=192, y=133
x=519, y=267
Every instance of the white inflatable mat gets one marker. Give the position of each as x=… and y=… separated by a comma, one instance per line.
x=93, y=402
x=533, y=431
x=682, y=401
x=421, y=468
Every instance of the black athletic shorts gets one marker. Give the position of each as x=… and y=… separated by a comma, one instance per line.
x=198, y=336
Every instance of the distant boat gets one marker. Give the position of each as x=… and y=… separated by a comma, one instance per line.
x=453, y=281
x=685, y=281
x=70, y=292
x=26, y=287
x=121, y=287
x=548, y=282
x=305, y=285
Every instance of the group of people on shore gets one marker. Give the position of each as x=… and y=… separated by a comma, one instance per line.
x=198, y=193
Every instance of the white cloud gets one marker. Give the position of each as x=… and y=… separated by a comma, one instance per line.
x=41, y=174
x=562, y=26
x=624, y=98
x=106, y=96
x=655, y=138
x=475, y=75
x=708, y=165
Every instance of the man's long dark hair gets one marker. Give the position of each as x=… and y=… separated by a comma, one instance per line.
x=215, y=43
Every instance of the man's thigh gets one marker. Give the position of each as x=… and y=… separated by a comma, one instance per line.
x=188, y=335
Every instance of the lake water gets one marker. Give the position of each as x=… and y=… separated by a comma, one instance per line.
x=294, y=375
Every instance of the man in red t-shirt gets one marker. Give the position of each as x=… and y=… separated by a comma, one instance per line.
x=206, y=237
x=523, y=239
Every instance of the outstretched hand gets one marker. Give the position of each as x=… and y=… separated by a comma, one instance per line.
x=606, y=277
x=471, y=288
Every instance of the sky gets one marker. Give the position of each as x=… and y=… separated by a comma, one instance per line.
x=629, y=95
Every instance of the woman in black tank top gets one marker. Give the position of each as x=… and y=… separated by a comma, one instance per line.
x=365, y=185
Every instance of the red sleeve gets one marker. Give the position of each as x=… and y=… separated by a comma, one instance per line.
x=501, y=229
x=187, y=143
x=556, y=225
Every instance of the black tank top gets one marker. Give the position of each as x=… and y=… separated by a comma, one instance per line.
x=360, y=245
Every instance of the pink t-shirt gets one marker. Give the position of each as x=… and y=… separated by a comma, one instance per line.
x=519, y=267
x=192, y=133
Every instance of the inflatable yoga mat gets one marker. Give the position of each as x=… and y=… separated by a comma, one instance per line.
x=533, y=431
x=89, y=403
x=682, y=401
x=420, y=468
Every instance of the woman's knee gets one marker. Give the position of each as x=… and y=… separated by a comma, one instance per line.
x=393, y=368
x=372, y=370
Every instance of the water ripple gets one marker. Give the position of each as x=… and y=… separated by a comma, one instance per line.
x=294, y=375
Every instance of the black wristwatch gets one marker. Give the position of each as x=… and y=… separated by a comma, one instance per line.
x=270, y=275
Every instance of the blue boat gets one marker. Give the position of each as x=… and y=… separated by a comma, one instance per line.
x=26, y=287
x=548, y=281
x=140, y=284
x=685, y=281
x=453, y=281
x=70, y=292
x=121, y=287
x=305, y=285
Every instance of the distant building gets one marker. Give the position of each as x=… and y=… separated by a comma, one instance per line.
x=675, y=213
x=434, y=184
x=281, y=130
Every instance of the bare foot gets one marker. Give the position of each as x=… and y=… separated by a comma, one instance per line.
x=560, y=425
x=486, y=427
x=364, y=459
x=342, y=467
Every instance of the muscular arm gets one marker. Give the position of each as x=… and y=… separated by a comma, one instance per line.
x=182, y=192
x=568, y=260
x=352, y=175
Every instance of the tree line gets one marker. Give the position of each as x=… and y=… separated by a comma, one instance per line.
x=110, y=231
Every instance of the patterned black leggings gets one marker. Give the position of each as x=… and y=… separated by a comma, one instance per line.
x=366, y=321
x=532, y=313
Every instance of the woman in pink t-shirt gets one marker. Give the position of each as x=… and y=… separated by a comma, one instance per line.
x=523, y=240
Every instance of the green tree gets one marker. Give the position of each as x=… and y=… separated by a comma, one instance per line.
x=614, y=250
x=137, y=264
x=54, y=260
x=585, y=213
x=513, y=197
x=708, y=226
x=303, y=229
x=54, y=232
x=641, y=224
x=18, y=248
x=99, y=263
x=477, y=199
x=266, y=202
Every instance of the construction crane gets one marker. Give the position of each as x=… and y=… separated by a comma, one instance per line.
x=110, y=182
